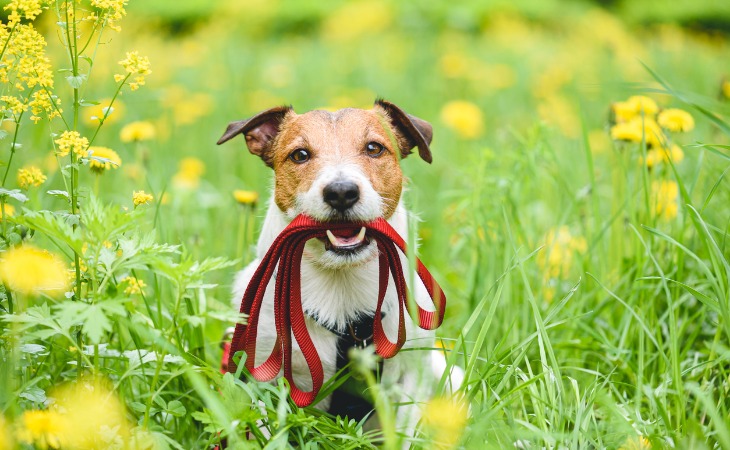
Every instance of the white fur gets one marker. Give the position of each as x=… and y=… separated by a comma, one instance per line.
x=336, y=289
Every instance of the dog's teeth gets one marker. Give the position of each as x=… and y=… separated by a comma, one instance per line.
x=332, y=238
x=361, y=235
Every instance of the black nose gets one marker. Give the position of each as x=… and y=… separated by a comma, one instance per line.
x=341, y=195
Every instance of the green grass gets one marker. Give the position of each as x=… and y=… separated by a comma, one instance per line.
x=630, y=338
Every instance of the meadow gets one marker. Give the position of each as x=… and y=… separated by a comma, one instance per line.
x=576, y=214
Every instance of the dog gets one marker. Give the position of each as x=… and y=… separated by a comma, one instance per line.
x=342, y=166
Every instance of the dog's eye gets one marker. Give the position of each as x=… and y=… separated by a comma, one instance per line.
x=373, y=149
x=299, y=156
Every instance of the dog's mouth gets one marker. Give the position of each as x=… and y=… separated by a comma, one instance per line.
x=346, y=241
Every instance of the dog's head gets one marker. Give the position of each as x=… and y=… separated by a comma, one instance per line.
x=336, y=166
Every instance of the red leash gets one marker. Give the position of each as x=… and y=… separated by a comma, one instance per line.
x=286, y=252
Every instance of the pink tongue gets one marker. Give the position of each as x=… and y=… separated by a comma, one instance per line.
x=343, y=241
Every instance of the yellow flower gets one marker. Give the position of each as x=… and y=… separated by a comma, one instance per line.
x=134, y=65
x=189, y=173
x=246, y=197
x=560, y=248
x=141, y=198
x=94, y=417
x=111, y=11
x=636, y=443
x=30, y=270
x=643, y=104
x=8, y=210
x=137, y=131
x=6, y=438
x=30, y=176
x=358, y=18
x=664, y=195
x=41, y=428
x=445, y=419
x=134, y=285
x=656, y=156
x=29, y=9
x=107, y=159
x=104, y=111
x=637, y=129
x=676, y=120
x=463, y=117
x=71, y=141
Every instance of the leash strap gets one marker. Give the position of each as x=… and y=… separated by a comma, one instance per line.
x=285, y=257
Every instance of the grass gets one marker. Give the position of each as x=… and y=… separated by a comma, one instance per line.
x=621, y=333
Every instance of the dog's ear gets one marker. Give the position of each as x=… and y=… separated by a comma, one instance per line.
x=416, y=132
x=259, y=131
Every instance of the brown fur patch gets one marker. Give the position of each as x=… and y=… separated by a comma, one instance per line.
x=336, y=138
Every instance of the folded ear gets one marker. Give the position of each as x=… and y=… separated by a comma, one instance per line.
x=416, y=132
x=259, y=131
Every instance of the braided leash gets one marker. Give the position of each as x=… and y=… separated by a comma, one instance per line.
x=286, y=252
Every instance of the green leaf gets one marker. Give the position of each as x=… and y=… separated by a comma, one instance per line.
x=13, y=193
x=34, y=394
x=76, y=81
x=61, y=194
x=95, y=318
x=176, y=408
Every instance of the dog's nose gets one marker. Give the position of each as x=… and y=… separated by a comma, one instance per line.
x=341, y=195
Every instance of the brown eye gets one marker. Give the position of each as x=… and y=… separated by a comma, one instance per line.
x=373, y=149
x=299, y=156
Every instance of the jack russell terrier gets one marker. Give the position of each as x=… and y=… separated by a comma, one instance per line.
x=334, y=167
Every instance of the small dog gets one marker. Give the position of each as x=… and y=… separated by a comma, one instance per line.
x=342, y=166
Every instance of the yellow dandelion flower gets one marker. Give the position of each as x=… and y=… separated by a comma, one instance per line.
x=30, y=270
x=104, y=111
x=637, y=129
x=643, y=104
x=94, y=416
x=6, y=438
x=8, y=210
x=657, y=156
x=355, y=19
x=463, y=117
x=636, y=443
x=71, y=141
x=665, y=195
x=141, y=198
x=676, y=120
x=137, y=131
x=623, y=111
x=189, y=173
x=134, y=285
x=102, y=158
x=246, y=197
x=41, y=428
x=561, y=246
x=30, y=176
x=445, y=419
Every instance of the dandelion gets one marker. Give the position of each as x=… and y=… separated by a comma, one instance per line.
x=560, y=248
x=636, y=443
x=71, y=141
x=463, y=117
x=41, y=428
x=141, y=198
x=676, y=120
x=643, y=105
x=623, y=111
x=30, y=176
x=137, y=131
x=6, y=439
x=134, y=65
x=445, y=418
x=93, y=416
x=639, y=129
x=134, y=285
x=8, y=210
x=665, y=194
x=246, y=197
x=102, y=158
x=657, y=156
x=30, y=270
x=189, y=173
